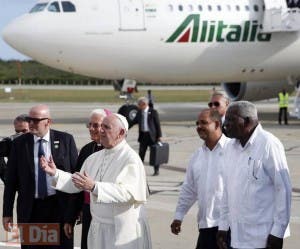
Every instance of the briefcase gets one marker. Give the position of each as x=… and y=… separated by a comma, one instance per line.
x=159, y=153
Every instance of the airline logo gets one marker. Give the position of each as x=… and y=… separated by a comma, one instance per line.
x=193, y=29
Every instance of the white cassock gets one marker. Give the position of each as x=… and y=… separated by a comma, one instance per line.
x=117, y=202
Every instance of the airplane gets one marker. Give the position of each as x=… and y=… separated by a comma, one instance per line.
x=250, y=46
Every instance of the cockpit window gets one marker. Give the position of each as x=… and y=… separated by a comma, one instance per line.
x=38, y=7
x=68, y=6
x=54, y=7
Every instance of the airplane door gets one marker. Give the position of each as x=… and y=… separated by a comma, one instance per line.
x=131, y=15
x=273, y=12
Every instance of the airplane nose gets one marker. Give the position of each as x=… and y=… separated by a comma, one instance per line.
x=8, y=34
x=17, y=35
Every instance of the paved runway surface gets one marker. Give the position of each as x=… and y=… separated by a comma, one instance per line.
x=179, y=130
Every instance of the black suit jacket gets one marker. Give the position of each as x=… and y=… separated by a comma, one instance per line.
x=21, y=176
x=153, y=124
x=84, y=153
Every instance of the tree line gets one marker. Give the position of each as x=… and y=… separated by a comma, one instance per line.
x=32, y=72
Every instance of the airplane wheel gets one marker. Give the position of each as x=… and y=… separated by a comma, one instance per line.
x=128, y=111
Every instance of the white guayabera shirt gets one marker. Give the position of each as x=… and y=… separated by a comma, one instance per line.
x=257, y=190
x=203, y=184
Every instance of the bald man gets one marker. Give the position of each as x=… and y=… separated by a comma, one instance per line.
x=37, y=201
x=116, y=180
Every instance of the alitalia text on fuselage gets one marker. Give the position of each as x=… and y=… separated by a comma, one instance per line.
x=193, y=29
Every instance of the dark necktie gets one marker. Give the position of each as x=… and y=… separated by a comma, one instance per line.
x=42, y=182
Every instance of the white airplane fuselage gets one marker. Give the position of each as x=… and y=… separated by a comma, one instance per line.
x=155, y=41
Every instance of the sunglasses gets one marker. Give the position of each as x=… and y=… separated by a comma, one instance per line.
x=94, y=125
x=35, y=120
x=216, y=104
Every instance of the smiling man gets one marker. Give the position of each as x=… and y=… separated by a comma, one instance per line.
x=203, y=181
x=116, y=180
x=94, y=128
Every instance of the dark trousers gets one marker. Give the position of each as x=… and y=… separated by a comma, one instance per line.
x=207, y=238
x=145, y=142
x=48, y=211
x=86, y=221
x=282, y=111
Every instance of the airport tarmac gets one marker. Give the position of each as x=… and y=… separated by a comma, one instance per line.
x=179, y=131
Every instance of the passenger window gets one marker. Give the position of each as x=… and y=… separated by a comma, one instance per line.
x=54, y=7
x=38, y=7
x=209, y=7
x=255, y=7
x=219, y=8
x=247, y=8
x=200, y=7
x=170, y=7
x=237, y=7
x=180, y=7
x=228, y=7
x=190, y=8
x=68, y=6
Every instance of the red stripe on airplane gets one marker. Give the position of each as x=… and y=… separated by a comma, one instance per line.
x=185, y=37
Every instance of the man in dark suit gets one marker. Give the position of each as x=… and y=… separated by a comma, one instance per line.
x=37, y=201
x=83, y=199
x=149, y=128
x=219, y=102
x=21, y=126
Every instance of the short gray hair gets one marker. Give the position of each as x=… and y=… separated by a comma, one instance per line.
x=98, y=111
x=143, y=100
x=220, y=94
x=245, y=109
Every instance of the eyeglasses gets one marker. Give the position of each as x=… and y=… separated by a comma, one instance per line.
x=93, y=125
x=216, y=104
x=35, y=120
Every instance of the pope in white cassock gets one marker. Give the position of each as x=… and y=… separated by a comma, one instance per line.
x=116, y=180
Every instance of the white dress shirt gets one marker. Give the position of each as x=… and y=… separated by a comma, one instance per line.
x=145, y=121
x=257, y=190
x=203, y=183
x=47, y=149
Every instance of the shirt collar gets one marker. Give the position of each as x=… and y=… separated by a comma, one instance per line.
x=253, y=137
x=146, y=109
x=221, y=143
x=223, y=119
x=117, y=147
x=46, y=137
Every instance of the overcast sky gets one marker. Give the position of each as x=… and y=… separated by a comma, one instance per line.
x=9, y=9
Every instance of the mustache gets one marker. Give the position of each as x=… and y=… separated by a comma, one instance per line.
x=200, y=129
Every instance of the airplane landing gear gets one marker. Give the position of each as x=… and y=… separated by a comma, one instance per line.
x=129, y=111
x=127, y=88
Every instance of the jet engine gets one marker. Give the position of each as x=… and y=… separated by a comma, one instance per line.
x=257, y=90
